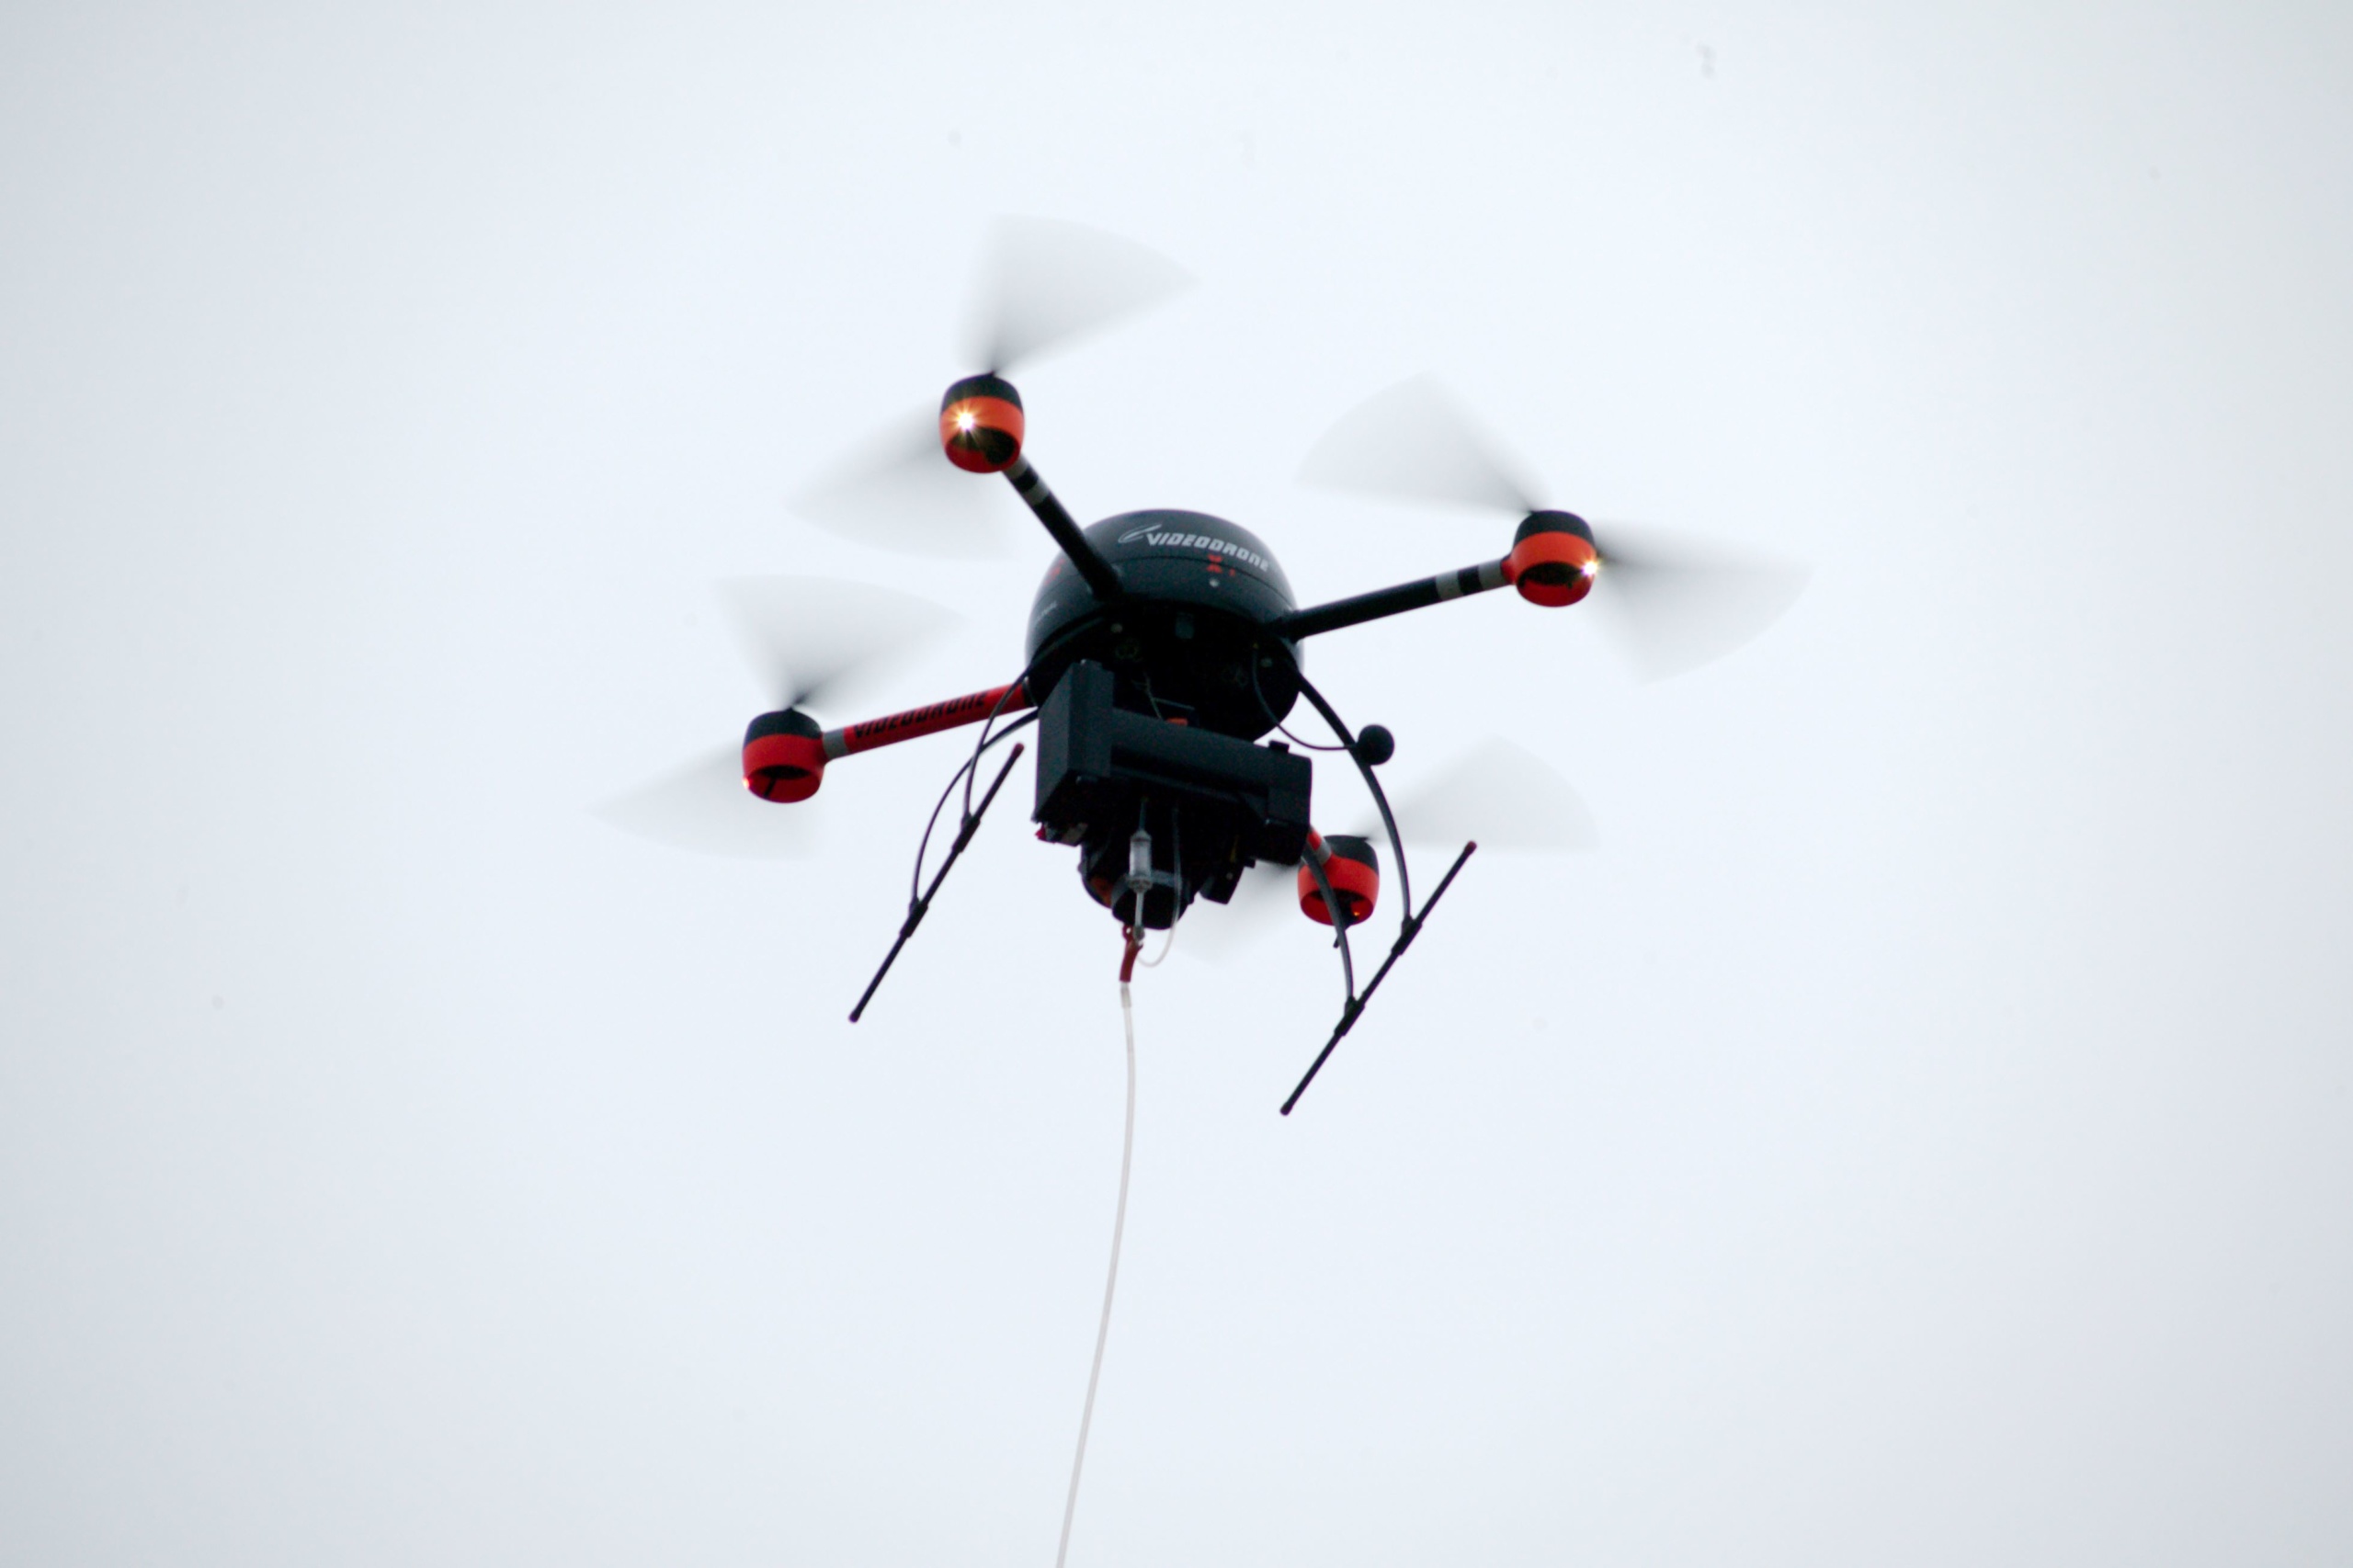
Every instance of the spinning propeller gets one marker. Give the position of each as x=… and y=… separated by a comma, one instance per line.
x=1043, y=284
x=1500, y=795
x=1672, y=604
x=809, y=641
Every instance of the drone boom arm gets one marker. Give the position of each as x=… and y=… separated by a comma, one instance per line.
x=928, y=720
x=1031, y=487
x=1419, y=595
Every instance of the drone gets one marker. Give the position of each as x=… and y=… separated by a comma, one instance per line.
x=1164, y=655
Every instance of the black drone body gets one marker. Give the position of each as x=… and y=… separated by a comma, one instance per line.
x=1149, y=706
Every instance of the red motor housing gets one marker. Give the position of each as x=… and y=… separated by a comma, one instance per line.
x=784, y=755
x=1355, y=874
x=1553, y=560
x=979, y=424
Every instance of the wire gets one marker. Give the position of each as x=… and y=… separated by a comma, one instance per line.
x=1280, y=728
x=972, y=769
x=1021, y=685
x=1176, y=909
x=1380, y=797
x=1339, y=913
x=1159, y=703
x=1397, y=845
x=923, y=845
x=1111, y=1280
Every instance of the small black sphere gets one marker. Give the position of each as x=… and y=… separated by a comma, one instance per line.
x=1375, y=745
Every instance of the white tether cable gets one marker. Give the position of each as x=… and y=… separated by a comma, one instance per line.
x=1111, y=1281
x=1167, y=942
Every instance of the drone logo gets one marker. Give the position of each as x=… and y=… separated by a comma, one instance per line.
x=1155, y=534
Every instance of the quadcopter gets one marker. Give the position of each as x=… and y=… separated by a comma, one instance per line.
x=1164, y=654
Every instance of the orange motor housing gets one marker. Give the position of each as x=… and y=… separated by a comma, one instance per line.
x=1553, y=561
x=784, y=756
x=979, y=424
x=1355, y=874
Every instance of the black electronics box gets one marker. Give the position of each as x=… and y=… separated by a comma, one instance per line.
x=1094, y=761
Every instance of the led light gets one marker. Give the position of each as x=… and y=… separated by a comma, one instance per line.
x=965, y=419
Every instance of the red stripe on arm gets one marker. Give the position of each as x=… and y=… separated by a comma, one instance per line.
x=928, y=720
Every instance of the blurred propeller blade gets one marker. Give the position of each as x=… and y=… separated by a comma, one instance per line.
x=1044, y=283
x=1414, y=441
x=705, y=807
x=1217, y=934
x=1501, y=794
x=810, y=640
x=813, y=640
x=1672, y=604
x=899, y=492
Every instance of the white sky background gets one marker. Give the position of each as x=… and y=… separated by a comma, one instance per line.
x=1918, y=1134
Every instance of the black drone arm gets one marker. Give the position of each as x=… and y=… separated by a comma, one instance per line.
x=1418, y=594
x=1031, y=487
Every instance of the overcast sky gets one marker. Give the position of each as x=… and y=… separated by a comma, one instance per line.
x=1917, y=1133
